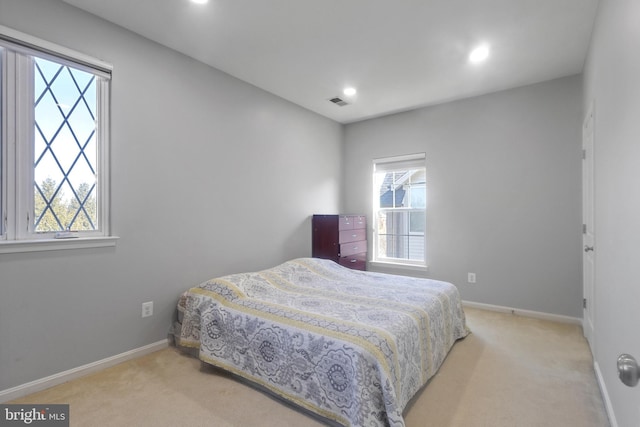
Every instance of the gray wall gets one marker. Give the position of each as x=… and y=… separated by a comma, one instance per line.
x=209, y=176
x=612, y=84
x=504, y=191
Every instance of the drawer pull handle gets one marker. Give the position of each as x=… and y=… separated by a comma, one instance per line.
x=353, y=260
x=354, y=235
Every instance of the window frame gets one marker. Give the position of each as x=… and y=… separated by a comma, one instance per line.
x=17, y=232
x=390, y=164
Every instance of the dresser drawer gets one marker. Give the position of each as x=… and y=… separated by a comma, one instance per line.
x=354, y=235
x=359, y=222
x=345, y=222
x=355, y=262
x=349, y=222
x=347, y=249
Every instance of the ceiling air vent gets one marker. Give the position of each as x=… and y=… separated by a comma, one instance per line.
x=339, y=101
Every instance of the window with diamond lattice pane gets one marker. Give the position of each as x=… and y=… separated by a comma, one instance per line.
x=65, y=155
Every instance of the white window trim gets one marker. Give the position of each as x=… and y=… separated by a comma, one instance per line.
x=387, y=165
x=398, y=266
x=17, y=204
x=43, y=245
x=29, y=44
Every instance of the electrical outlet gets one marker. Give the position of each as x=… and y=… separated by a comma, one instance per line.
x=147, y=309
x=471, y=277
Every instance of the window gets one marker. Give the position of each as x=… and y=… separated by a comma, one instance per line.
x=400, y=201
x=54, y=122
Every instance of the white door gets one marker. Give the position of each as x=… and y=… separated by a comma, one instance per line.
x=588, y=253
x=610, y=259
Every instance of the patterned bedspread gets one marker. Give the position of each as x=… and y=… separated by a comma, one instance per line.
x=351, y=346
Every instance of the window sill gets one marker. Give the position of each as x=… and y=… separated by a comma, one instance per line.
x=19, y=246
x=398, y=267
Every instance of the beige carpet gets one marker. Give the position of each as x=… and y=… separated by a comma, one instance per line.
x=511, y=371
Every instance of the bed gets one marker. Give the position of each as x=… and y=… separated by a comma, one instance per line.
x=350, y=346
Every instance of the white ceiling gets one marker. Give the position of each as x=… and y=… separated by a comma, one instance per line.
x=399, y=54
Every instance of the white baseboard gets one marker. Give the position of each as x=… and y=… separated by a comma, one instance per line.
x=71, y=374
x=605, y=395
x=525, y=313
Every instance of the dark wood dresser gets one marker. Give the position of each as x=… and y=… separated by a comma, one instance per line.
x=341, y=238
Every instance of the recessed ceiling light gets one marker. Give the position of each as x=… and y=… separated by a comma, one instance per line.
x=479, y=54
x=200, y=1
x=349, y=91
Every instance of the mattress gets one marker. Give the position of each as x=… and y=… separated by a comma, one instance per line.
x=350, y=346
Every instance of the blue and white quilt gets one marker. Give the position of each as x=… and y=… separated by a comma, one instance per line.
x=351, y=346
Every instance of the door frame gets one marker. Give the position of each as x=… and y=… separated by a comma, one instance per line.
x=588, y=226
